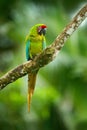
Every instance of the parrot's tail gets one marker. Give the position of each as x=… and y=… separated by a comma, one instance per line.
x=31, y=86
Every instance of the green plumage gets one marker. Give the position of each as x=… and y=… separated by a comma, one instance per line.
x=35, y=43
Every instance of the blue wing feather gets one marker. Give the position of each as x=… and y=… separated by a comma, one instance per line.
x=27, y=50
x=44, y=44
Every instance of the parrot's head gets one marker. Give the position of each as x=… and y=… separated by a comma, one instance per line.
x=38, y=29
x=41, y=29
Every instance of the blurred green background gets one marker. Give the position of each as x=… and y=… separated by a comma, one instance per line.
x=60, y=98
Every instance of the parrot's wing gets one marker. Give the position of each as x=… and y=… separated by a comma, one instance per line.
x=28, y=49
x=44, y=44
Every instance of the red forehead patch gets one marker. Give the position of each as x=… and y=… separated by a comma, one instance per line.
x=44, y=26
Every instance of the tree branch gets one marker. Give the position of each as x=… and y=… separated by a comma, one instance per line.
x=47, y=55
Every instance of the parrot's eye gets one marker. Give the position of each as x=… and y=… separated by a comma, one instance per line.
x=39, y=29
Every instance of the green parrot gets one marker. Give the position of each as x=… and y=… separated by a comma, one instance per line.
x=35, y=43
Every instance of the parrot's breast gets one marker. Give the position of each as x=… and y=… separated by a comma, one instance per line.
x=36, y=45
x=35, y=48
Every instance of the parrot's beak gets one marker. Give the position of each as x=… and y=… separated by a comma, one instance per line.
x=42, y=31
